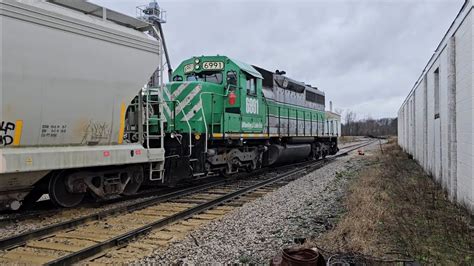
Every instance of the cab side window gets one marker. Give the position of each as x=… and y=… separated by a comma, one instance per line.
x=251, y=85
x=232, y=78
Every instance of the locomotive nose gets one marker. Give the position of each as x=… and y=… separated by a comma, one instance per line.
x=184, y=102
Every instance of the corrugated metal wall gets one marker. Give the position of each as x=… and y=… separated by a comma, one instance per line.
x=435, y=121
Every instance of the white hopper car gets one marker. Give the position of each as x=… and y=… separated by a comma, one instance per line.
x=69, y=71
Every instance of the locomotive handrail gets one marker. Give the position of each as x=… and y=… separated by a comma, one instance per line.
x=279, y=121
x=204, y=116
x=288, y=121
x=189, y=127
x=187, y=122
x=268, y=116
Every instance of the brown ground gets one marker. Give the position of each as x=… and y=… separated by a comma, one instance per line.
x=346, y=139
x=396, y=212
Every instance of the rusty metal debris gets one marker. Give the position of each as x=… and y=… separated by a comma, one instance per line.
x=298, y=257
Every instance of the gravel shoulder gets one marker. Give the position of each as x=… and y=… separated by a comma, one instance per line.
x=257, y=231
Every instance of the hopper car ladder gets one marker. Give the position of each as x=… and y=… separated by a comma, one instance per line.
x=154, y=15
x=153, y=103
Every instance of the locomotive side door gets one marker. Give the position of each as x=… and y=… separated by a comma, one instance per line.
x=253, y=109
x=232, y=113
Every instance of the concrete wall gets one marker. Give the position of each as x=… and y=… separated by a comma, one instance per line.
x=443, y=144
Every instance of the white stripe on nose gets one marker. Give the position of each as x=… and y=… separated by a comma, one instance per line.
x=167, y=93
x=192, y=112
x=166, y=108
x=188, y=99
x=179, y=90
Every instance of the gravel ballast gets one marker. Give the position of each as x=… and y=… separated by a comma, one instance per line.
x=257, y=231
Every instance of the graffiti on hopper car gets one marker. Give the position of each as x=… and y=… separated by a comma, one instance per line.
x=95, y=132
x=6, y=133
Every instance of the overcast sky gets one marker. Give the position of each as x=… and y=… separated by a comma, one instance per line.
x=365, y=54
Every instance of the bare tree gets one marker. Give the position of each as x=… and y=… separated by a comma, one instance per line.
x=368, y=126
x=350, y=118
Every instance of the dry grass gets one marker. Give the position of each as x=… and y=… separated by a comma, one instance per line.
x=394, y=210
x=346, y=139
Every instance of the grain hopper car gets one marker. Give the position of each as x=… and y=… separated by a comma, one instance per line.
x=69, y=71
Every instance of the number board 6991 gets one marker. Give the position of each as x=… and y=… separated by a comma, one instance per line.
x=213, y=65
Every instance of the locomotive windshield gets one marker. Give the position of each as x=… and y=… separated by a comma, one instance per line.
x=206, y=76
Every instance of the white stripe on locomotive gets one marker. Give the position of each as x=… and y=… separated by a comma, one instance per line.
x=194, y=111
x=188, y=99
x=179, y=90
x=166, y=108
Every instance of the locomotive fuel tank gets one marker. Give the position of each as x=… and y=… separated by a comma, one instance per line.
x=279, y=154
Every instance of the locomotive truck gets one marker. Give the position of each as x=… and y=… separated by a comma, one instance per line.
x=72, y=123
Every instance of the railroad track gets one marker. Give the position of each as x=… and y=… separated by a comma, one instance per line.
x=161, y=217
x=356, y=144
x=46, y=209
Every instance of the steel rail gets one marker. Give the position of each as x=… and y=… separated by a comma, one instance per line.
x=357, y=146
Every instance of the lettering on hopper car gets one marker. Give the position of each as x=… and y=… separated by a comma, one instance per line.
x=6, y=128
x=53, y=130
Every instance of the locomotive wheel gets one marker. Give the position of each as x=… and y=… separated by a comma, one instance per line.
x=59, y=194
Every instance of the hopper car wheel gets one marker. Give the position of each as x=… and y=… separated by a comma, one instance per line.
x=59, y=194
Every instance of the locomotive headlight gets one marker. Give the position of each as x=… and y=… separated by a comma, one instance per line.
x=196, y=61
x=196, y=66
x=197, y=136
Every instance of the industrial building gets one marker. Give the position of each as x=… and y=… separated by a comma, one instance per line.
x=435, y=121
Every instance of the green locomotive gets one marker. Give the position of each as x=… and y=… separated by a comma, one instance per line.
x=222, y=116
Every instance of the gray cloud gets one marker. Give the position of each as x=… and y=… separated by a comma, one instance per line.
x=366, y=55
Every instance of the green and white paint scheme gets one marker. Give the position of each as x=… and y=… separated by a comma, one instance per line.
x=198, y=101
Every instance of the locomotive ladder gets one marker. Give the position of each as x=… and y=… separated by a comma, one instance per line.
x=153, y=103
